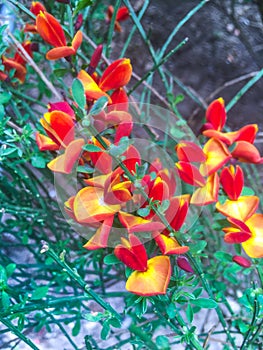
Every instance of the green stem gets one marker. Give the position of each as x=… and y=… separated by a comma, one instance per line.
x=244, y=89
x=74, y=275
x=245, y=342
x=111, y=29
x=153, y=69
x=20, y=335
x=143, y=336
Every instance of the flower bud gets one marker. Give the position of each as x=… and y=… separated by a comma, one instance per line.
x=183, y=263
x=240, y=260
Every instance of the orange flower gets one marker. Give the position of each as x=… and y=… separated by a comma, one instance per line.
x=60, y=128
x=216, y=115
x=18, y=63
x=51, y=31
x=114, y=77
x=249, y=233
x=122, y=15
x=217, y=155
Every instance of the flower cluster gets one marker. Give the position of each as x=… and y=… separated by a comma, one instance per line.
x=124, y=201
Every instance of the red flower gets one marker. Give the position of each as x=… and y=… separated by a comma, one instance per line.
x=122, y=15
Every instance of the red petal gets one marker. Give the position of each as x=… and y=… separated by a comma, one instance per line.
x=188, y=151
x=232, y=181
x=240, y=260
x=50, y=29
x=216, y=114
x=45, y=143
x=169, y=245
x=59, y=52
x=100, y=239
x=246, y=152
x=190, y=174
x=116, y=75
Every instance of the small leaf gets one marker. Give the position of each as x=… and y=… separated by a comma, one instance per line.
x=204, y=303
x=162, y=342
x=141, y=170
x=95, y=316
x=247, y=191
x=5, y=300
x=10, y=268
x=78, y=93
x=85, y=169
x=144, y=211
x=99, y=105
x=111, y=259
x=39, y=293
x=164, y=206
x=5, y=97
x=114, y=322
x=222, y=256
x=82, y=4
x=60, y=72
x=117, y=150
x=38, y=162
x=92, y=148
x=189, y=313
x=76, y=328
x=105, y=330
x=171, y=311
x=197, y=247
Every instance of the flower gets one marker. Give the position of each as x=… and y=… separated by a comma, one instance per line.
x=116, y=75
x=122, y=15
x=151, y=277
x=51, y=31
x=248, y=232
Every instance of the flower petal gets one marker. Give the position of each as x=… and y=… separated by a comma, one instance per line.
x=50, y=29
x=254, y=245
x=137, y=224
x=207, y=194
x=92, y=90
x=240, y=209
x=65, y=163
x=154, y=281
x=116, y=75
x=59, y=52
x=45, y=143
x=216, y=114
x=169, y=245
x=100, y=239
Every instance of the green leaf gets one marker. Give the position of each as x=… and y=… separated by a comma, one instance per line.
x=164, y=205
x=38, y=162
x=144, y=211
x=5, y=300
x=5, y=97
x=92, y=148
x=171, y=311
x=99, y=105
x=117, y=150
x=85, y=169
x=78, y=93
x=105, y=330
x=114, y=322
x=141, y=170
x=162, y=342
x=39, y=293
x=60, y=72
x=95, y=316
x=76, y=328
x=111, y=259
x=197, y=247
x=10, y=268
x=223, y=256
x=204, y=303
x=247, y=191
x=82, y=4
x=189, y=313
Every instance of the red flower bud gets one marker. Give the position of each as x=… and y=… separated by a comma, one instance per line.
x=183, y=263
x=240, y=260
x=78, y=22
x=95, y=58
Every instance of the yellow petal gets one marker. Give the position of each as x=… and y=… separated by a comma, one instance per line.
x=154, y=281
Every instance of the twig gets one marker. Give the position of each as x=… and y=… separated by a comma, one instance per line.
x=32, y=63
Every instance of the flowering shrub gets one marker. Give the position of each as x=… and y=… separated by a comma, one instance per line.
x=152, y=202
